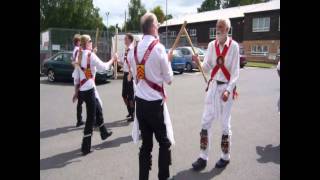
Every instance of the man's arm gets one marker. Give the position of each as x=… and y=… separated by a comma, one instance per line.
x=207, y=64
x=165, y=65
x=234, y=71
x=76, y=81
x=101, y=66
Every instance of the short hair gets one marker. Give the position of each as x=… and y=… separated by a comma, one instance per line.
x=76, y=38
x=146, y=22
x=226, y=21
x=129, y=36
x=84, y=39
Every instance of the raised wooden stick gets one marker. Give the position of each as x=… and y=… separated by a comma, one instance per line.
x=97, y=35
x=194, y=52
x=179, y=35
x=115, y=51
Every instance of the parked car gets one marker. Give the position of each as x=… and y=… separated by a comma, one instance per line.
x=178, y=62
x=187, y=54
x=243, y=60
x=58, y=67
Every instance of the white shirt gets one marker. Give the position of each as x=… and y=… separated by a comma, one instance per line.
x=157, y=68
x=232, y=62
x=122, y=61
x=95, y=64
x=76, y=48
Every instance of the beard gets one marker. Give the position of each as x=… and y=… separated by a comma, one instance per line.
x=221, y=36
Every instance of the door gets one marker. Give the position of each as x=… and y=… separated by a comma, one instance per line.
x=66, y=66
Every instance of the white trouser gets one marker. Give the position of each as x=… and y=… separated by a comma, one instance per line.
x=216, y=108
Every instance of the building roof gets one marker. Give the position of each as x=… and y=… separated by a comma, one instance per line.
x=233, y=12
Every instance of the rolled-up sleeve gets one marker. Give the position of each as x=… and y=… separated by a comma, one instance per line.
x=100, y=65
x=235, y=68
x=75, y=75
x=165, y=65
x=132, y=63
x=207, y=64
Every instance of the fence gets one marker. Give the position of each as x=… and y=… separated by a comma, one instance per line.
x=60, y=39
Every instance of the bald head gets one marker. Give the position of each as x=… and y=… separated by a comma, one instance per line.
x=149, y=24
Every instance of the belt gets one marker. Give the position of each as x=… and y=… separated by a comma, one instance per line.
x=221, y=82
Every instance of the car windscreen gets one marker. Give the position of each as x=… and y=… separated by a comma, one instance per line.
x=177, y=53
x=67, y=57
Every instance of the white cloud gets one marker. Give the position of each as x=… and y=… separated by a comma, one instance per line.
x=117, y=8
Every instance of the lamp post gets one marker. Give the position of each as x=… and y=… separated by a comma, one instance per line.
x=166, y=24
x=107, y=13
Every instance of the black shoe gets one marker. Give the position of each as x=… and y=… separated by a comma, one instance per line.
x=104, y=133
x=222, y=163
x=199, y=164
x=130, y=119
x=86, y=145
x=79, y=123
x=96, y=128
x=128, y=116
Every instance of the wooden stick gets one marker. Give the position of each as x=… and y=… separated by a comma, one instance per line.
x=97, y=35
x=179, y=35
x=194, y=52
x=115, y=51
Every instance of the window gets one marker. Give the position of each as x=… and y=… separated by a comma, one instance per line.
x=173, y=34
x=260, y=50
x=212, y=33
x=58, y=57
x=193, y=32
x=261, y=24
x=67, y=57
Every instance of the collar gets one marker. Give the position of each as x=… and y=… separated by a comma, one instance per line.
x=131, y=46
x=226, y=43
x=148, y=37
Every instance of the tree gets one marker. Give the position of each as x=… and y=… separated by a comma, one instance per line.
x=159, y=13
x=234, y=3
x=208, y=5
x=80, y=14
x=169, y=16
x=136, y=10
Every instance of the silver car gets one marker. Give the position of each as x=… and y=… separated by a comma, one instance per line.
x=187, y=54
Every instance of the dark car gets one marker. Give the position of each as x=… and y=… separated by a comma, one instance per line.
x=59, y=67
x=178, y=62
x=243, y=60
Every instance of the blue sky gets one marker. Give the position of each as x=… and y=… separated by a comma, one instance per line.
x=117, y=8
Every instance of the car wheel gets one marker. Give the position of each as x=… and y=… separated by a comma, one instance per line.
x=189, y=67
x=51, y=76
x=181, y=72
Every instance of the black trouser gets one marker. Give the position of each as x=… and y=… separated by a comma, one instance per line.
x=94, y=110
x=128, y=93
x=151, y=120
x=79, y=109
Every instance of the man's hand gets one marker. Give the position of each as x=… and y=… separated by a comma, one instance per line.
x=129, y=77
x=196, y=59
x=170, y=55
x=115, y=57
x=95, y=50
x=75, y=97
x=225, y=95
